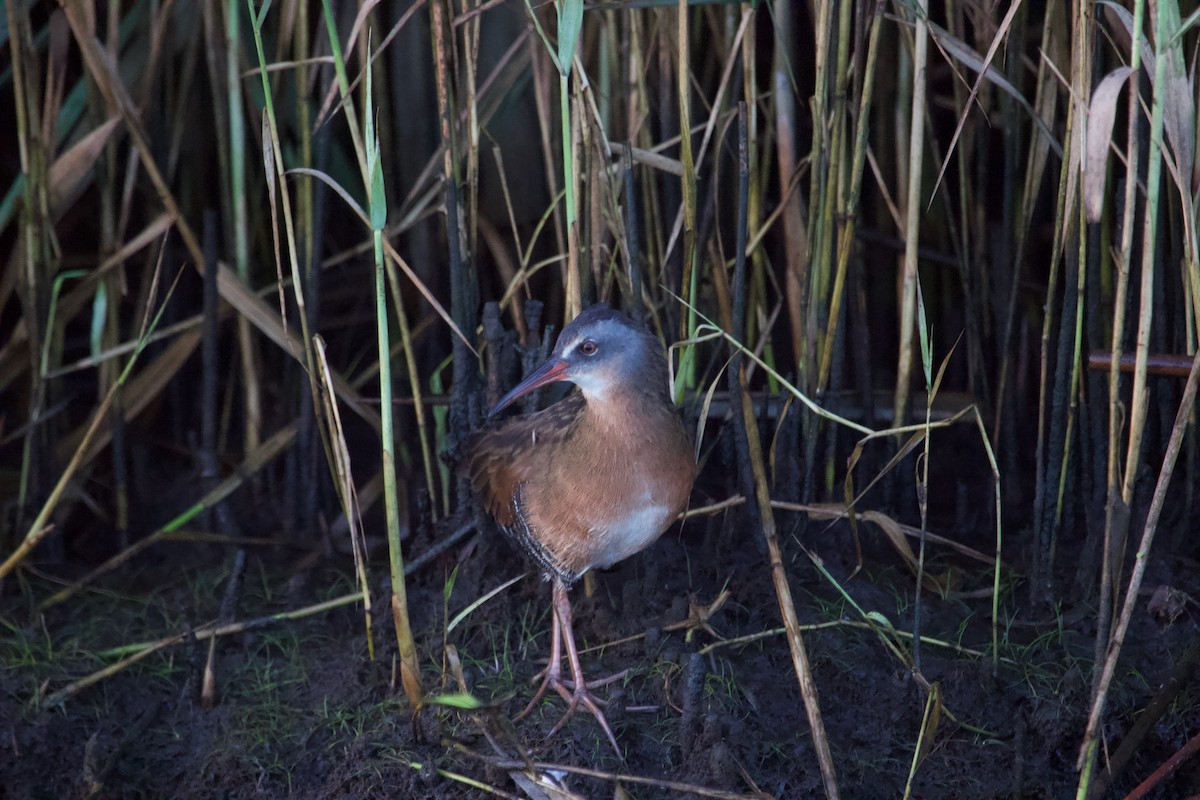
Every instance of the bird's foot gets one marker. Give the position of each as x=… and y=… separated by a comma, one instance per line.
x=575, y=691
x=580, y=695
x=618, y=676
x=551, y=678
x=576, y=694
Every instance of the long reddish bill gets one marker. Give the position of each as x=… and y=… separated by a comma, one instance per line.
x=553, y=370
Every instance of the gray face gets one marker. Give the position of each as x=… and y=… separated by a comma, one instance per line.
x=602, y=354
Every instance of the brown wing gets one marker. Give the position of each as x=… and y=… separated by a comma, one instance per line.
x=500, y=458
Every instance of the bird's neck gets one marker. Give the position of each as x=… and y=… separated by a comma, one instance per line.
x=639, y=392
x=625, y=415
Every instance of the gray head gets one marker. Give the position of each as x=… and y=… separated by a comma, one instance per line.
x=604, y=353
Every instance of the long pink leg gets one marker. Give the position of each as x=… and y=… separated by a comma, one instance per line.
x=580, y=695
x=552, y=675
x=551, y=678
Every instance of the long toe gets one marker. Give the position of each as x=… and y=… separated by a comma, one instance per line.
x=551, y=679
x=582, y=697
x=614, y=678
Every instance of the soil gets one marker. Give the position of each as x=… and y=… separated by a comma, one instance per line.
x=302, y=710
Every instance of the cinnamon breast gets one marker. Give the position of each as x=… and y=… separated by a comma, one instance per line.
x=584, y=483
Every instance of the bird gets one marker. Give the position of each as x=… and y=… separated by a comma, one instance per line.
x=591, y=480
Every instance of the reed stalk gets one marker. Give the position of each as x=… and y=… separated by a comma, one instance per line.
x=410, y=665
x=913, y=209
x=1026, y=253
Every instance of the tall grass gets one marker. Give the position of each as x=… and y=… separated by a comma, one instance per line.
x=1020, y=180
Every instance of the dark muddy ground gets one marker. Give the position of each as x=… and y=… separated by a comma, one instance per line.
x=303, y=712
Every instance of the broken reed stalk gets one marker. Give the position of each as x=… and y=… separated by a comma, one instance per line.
x=1088, y=749
x=929, y=724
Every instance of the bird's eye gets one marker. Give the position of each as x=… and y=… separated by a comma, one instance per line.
x=588, y=348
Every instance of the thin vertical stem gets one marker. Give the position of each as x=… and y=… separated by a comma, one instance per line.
x=916, y=151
